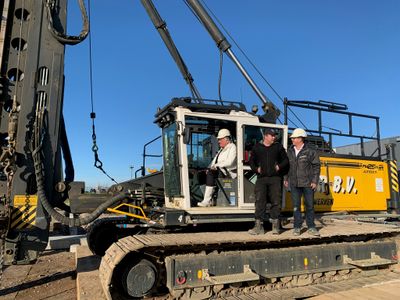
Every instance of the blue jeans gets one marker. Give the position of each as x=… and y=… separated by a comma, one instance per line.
x=308, y=193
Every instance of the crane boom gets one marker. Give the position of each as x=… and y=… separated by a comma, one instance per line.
x=224, y=45
x=162, y=29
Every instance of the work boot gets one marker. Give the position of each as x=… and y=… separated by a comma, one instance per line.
x=258, y=228
x=207, y=200
x=313, y=231
x=276, y=228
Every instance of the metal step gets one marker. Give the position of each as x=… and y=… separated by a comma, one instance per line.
x=374, y=261
x=247, y=275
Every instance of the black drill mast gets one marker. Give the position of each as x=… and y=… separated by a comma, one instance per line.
x=32, y=130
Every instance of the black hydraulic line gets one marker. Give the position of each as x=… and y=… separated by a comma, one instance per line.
x=224, y=45
x=161, y=27
x=72, y=222
x=221, y=63
x=69, y=165
x=37, y=142
x=51, y=7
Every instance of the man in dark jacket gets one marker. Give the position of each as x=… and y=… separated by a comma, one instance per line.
x=303, y=179
x=269, y=160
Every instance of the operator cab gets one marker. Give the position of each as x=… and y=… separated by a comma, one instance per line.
x=189, y=133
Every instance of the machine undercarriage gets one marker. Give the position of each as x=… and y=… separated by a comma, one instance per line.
x=205, y=265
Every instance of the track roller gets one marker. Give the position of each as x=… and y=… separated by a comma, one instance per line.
x=139, y=279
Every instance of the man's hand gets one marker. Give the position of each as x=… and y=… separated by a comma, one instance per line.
x=277, y=168
x=286, y=183
x=313, y=186
x=259, y=170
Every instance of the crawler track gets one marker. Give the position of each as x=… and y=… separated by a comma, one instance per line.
x=167, y=250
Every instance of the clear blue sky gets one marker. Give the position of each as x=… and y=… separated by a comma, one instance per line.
x=345, y=51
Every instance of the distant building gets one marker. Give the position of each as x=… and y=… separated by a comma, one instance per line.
x=370, y=148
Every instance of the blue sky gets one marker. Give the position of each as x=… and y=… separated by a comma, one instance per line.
x=340, y=51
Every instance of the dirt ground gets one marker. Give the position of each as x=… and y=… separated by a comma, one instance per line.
x=53, y=276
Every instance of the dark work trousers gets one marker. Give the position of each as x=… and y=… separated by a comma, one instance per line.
x=296, y=193
x=268, y=190
x=211, y=177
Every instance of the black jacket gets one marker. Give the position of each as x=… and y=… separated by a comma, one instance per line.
x=305, y=168
x=267, y=158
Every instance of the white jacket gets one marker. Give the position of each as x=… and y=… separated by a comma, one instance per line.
x=226, y=160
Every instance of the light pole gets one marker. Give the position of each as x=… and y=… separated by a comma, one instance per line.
x=131, y=167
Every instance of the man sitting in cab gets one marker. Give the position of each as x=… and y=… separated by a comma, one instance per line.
x=223, y=164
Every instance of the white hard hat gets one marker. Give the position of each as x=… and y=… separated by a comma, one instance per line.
x=223, y=133
x=298, y=132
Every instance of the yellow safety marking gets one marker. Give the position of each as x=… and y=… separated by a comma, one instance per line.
x=27, y=222
x=117, y=211
x=22, y=216
x=15, y=217
x=305, y=262
x=395, y=185
x=22, y=200
x=24, y=226
x=394, y=175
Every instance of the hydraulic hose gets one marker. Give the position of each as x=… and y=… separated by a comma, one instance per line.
x=69, y=165
x=64, y=38
x=72, y=222
x=39, y=132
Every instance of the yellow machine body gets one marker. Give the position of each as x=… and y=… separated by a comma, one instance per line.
x=348, y=184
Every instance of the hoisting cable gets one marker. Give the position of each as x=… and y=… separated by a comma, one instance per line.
x=97, y=162
x=253, y=65
x=62, y=37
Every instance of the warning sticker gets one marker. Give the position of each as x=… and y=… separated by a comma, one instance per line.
x=379, y=184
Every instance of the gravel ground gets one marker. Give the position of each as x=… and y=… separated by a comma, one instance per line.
x=53, y=276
